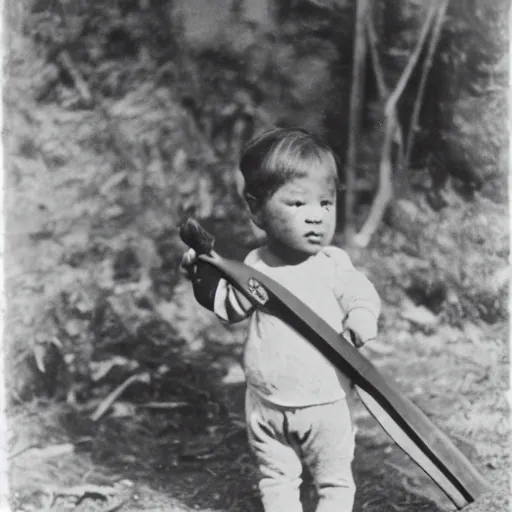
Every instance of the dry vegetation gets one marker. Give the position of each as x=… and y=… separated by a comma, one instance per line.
x=123, y=393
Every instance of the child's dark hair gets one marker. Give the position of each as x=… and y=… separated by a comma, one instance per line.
x=277, y=155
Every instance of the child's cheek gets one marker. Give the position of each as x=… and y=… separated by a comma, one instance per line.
x=284, y=222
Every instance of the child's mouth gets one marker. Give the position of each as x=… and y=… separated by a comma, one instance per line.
x=314, y=237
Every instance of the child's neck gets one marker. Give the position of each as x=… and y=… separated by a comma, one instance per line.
x=278, y=255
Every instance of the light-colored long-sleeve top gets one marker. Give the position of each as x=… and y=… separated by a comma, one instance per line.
x=280, y=365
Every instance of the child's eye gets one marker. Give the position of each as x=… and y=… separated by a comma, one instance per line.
x=296, y=203
x=326, y=203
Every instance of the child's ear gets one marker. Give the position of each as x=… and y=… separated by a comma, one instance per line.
x=255, y=210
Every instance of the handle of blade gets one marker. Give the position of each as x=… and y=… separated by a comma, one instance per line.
x=196, y=237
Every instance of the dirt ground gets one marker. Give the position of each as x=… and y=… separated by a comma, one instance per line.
x=194, y=456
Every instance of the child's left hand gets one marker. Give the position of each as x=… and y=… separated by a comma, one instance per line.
x=362, y=326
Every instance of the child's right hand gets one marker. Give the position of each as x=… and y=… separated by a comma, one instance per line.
x=189, y=263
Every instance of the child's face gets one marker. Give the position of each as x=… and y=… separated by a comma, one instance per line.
x=300, y=217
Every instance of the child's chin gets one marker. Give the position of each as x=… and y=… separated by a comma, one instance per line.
x=313, y=248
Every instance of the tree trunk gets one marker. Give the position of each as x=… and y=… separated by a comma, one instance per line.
x=355, y=113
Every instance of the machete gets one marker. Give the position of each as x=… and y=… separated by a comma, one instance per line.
x=404, y=422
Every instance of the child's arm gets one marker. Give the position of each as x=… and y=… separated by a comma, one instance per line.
x=213, y=292
x=357, y=297
x=230, y=305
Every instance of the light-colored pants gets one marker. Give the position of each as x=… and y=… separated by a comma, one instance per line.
x=283, y=439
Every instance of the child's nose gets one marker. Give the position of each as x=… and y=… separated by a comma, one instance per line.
x=314, y=216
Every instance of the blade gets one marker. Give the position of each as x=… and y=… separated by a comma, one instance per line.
x=410, y=428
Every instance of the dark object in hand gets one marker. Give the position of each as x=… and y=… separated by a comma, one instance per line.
x=196, y=237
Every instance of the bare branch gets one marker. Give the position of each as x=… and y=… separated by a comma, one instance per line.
x=107, y=403
x=413, y=59
x=392, y=133
x=438, y=24
x=385, y=190
x=356, y=105
x=392, y=129
x=377, y=67
x=379, y=73
x=65, y=60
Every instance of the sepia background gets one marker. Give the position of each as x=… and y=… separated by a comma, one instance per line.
x=123, y=117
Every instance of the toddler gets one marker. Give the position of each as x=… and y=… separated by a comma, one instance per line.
x=296, y=408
